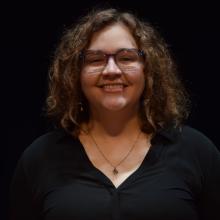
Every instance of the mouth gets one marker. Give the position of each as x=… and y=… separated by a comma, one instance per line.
x=113, y=87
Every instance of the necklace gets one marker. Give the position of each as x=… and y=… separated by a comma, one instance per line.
x=115, y=170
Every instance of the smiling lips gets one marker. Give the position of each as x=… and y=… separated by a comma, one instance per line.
x=113, y=87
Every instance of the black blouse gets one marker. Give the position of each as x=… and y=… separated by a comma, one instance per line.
x=178, y=179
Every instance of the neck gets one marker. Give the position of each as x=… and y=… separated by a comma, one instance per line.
x=114, y=124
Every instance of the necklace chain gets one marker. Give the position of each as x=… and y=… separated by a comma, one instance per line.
x=115, y=170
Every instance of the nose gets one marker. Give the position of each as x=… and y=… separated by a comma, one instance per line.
x=111, y=67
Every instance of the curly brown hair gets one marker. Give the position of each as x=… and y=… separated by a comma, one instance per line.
x=164, y=100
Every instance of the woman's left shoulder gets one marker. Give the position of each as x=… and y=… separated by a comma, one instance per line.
x=195, y=135
x=197, y=140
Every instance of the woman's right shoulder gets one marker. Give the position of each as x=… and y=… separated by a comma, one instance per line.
x=47, y=144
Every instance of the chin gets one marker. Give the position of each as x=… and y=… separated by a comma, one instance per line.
x=115, y=105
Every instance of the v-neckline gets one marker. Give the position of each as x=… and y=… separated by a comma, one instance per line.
x=150, y=156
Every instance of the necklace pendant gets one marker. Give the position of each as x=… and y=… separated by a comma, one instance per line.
x=115, y=171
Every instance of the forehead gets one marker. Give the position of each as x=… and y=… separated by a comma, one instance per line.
x=112, y=38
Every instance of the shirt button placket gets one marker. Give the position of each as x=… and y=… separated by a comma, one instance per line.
x=115, y=205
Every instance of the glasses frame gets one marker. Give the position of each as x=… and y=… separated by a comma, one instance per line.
x=139, y=52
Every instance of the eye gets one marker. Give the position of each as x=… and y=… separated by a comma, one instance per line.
x=94, y=59
x=127, y=56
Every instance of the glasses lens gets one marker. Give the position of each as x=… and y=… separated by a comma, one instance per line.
x=127, y=57
x=94, y=58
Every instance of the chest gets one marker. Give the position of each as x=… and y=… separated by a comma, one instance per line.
x=149, y=188
x=117, y=164
x=154, y=194
x=121, y=176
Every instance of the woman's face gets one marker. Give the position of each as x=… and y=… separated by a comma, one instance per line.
x=112, y=82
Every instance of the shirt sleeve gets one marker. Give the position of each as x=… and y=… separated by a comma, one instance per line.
x=21, y=204
x=24, y=200
x=210, y=202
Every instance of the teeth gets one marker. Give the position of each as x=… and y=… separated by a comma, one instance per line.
x=112, y=86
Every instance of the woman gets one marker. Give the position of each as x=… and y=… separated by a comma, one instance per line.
x=120, y=149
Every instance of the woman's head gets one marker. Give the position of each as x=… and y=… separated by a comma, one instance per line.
x=112, y=76
x=162, y=100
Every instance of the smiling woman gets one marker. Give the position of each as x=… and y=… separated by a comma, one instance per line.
x=119, y=149
x=164, y=100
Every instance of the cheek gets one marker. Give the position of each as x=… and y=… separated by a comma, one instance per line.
x=139, y=85
x=88, y=83
x=138, y=81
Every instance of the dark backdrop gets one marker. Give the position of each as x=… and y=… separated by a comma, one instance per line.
x=30, y=34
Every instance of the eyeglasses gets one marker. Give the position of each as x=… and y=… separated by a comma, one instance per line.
x=127, y=59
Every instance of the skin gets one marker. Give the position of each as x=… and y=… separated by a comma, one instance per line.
x=115, y=104
x=114, y=121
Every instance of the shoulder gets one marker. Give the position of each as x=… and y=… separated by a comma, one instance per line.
x=187, y=136
x=190, y=143
x=196, y=144
x=47, y=146
x=194, y=136
x=45, y=140
x=194, y=150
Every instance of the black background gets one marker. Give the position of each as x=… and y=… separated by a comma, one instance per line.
x=31, y=31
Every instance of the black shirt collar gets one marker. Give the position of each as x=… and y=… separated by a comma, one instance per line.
x=169, y=134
